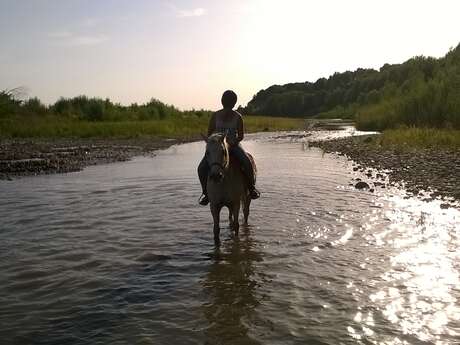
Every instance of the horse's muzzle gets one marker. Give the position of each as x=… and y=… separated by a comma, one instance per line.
x=217, y=176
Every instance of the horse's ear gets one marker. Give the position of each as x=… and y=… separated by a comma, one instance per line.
x=204, y=137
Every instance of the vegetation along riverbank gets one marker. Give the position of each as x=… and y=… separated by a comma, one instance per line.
x=415, y=104
x=81, y=131
x=421, y=92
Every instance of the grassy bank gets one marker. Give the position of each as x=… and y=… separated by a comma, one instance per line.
x=416, y=104
x=173, y=127
x=86, y=117
x=408, y=138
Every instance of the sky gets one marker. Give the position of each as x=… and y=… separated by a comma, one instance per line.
x=187, y=52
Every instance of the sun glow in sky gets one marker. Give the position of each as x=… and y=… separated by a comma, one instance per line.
x=186, y=52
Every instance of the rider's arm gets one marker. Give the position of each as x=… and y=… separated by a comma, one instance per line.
x=212, y=124
x=240, y=128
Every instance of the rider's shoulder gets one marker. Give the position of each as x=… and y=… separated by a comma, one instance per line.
x=237, y=114
x=214, y=116
x=223, y=114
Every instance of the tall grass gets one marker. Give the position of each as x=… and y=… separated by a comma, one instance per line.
x=269, y=123
x=420, y=137
x=172, y=127
x=84, y=117
x=54, y=127
x=419, y=102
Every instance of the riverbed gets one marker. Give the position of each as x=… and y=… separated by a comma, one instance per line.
x=123, y=254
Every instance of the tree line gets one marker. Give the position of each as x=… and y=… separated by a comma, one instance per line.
x=422, y=91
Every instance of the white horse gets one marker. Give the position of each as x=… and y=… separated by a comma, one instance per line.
x=226, y=185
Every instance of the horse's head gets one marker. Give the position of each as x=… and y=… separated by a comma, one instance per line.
x=217, y=156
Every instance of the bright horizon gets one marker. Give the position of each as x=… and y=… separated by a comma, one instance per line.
x=186, y=53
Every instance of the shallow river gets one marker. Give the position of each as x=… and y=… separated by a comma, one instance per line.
x=123, y=254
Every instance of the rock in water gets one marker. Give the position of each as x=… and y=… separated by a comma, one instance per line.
x=361, y=185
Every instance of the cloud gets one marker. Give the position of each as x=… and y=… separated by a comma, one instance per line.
x=87, y=40
x=90, y=22
x=67, y=38
x=196, y=12
x=59, y=34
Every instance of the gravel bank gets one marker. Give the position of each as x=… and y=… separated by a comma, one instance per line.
x=433, y=170
x=34, y=157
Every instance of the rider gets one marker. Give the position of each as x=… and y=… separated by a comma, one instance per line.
x=229, y=122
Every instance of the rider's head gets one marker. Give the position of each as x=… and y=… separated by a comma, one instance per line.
x=229, y=99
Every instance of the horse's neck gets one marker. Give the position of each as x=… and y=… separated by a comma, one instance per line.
x=233, y=167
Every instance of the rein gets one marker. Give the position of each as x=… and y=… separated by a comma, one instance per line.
x=220, y=165
x=223, y=165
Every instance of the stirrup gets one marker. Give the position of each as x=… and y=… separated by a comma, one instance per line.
x=254, y=193
x=203, y=200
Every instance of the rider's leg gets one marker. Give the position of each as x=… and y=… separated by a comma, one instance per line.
x=239, y=153
x=203, y=176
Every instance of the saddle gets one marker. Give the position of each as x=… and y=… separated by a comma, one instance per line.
x=236, y=162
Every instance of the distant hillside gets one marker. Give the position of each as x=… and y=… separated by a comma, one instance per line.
x=422, y=91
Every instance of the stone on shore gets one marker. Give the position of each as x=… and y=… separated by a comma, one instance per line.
x=436, y=170
x=362, y=185
x=35, y=157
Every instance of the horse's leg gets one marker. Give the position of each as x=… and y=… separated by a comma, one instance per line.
x=236, y=212
x=246, y=204
x=215, y=211
x=230, y=217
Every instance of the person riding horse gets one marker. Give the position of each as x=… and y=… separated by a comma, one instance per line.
x=230, y=123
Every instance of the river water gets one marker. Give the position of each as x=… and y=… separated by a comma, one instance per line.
x=123, y=254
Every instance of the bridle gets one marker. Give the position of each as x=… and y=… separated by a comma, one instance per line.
x=223, y=165
x=220, y=165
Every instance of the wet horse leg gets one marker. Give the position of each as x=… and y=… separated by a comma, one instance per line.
x=236, y=212
x=230, y=217
x=246, y=205
x=215, y=211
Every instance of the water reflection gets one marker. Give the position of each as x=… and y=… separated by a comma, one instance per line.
x=416, y=296
x=114, y=254
x=231, y=286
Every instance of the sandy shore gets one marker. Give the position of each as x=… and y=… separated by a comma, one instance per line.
x=35, y=157
x=434, y=170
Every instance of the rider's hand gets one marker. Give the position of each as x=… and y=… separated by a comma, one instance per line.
x=232, y=141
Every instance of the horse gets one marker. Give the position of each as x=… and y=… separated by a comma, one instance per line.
x=226, y=184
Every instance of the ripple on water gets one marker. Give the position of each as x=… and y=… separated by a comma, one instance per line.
x=122, y=254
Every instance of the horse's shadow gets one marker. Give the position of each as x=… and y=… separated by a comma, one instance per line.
x=231, y=287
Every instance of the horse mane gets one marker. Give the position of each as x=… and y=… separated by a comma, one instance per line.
x=216, y=137
x=219, y=139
